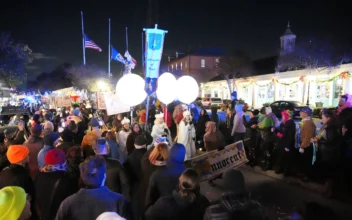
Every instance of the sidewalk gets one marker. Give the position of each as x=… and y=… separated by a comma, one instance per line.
x=311, y=186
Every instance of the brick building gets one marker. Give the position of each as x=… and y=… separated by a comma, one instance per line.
x=201, y=64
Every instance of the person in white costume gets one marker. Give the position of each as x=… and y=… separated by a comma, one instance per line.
x=160, y=128
x=187, y=134
x=122, y=138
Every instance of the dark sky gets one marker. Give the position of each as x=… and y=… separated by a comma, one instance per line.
x=52, y=29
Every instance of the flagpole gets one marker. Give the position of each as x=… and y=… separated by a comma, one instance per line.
x=142, y=53
x=109, y=48
x=83, y=40
x=126, y=39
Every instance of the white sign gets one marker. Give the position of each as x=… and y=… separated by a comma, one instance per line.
x=214, y=163
x=114, y=105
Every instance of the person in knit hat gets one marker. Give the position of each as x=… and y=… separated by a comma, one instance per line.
x=50, y=142
x=17, y=174
x=34, y=144
x=164, y=181
x=95, y=197
x=14, y=204
x=52, y=183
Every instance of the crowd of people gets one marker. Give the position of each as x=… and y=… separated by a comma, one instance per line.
x=79, y=165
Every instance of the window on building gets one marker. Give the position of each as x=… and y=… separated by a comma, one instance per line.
x=181, y=65
x=186, y=64
x=217, y=60
x=172, y=66
x=202, y=63
x=176, y=66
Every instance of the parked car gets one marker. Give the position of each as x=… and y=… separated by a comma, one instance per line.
x=294, y=106
x=216, y=101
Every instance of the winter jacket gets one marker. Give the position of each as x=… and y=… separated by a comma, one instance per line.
x=34, y=145
x=4, y=162
x=200, y=129
x=288, y=131
x=163, y=182
x=329, y=145
x=134, y=168
x=175, y=207
x=88, y=204
x=251, y=132
x=52, y=188
x=114, y=149
x=213, y=138
x=116, y=178
x=16, y=175
x=308, y=130
x=90, y=137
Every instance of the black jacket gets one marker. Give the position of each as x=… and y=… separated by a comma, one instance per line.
x=116, y=178
x=329, y=147
x=288, y=130
x=52, y=188
x=251, y=132
x=134, y=169
x=16, y=175
x=177, y=207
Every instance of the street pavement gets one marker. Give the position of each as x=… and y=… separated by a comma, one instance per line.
x=280, y=197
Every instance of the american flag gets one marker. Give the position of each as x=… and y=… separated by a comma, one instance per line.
x=90, y=44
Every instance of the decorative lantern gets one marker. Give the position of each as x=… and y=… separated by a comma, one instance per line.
x=166, y=91
x=188, y=89
x=130, y=89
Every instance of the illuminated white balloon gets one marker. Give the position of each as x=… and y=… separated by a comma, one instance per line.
x=130, y=89
x=187, y=89
x=166, y=90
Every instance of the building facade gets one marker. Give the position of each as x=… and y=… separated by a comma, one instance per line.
x=321, y=87
x=200, y=67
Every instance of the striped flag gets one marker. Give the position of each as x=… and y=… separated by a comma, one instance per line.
x=90, y=44
x=131, y=61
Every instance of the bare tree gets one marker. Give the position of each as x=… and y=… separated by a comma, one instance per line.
x=14, y=58
x=235, y=65
x=311, y=54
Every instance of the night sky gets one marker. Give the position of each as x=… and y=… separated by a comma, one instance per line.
x=52, y=29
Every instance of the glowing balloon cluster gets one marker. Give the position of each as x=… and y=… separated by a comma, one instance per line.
x=185, y=88
x=130, y=89
x=166, y=91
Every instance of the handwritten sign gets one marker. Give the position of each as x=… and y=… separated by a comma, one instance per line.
x=212, y=164
x=101, y=101
x=114, y=105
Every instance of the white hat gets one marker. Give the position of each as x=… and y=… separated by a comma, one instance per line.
x=125, y=121
x=110, y=216
x=186, y=113
x=160, y=115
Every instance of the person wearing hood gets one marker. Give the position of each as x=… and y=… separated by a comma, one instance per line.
x=122, y=136
x=187, y=134
x=52, y=185
x=185, y=202
x=15, y=204
x=164, y=181
x=286, y=143
x=160, y=128
x=50, y=142
x=34, y=144
x=116, y=178
x=234, y=202
x=95, y=198
x=238, y=129
x=213, y=138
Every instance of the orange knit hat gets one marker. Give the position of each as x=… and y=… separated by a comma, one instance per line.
x=17, y=153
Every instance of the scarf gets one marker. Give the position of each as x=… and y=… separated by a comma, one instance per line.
x=53, y=168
